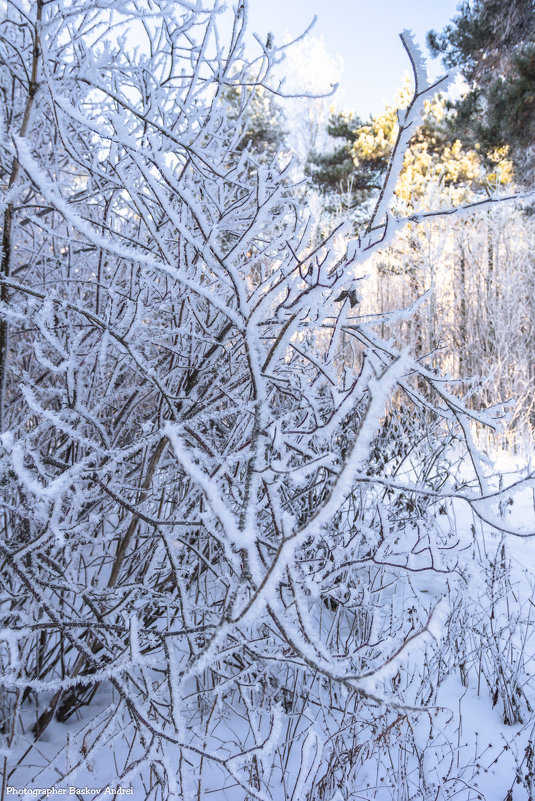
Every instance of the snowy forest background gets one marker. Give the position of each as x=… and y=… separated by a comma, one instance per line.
x=266, y=411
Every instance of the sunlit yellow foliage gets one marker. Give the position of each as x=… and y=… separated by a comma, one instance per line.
x=503, y=172
x=377, y=138
x=432, y=160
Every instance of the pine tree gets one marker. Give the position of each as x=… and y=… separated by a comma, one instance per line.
x=336, y=173
x=493, y=42
x=352, y=173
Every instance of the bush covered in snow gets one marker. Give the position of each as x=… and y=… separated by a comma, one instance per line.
x=233, y=526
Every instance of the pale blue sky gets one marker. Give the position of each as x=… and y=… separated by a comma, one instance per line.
x=363, y=32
